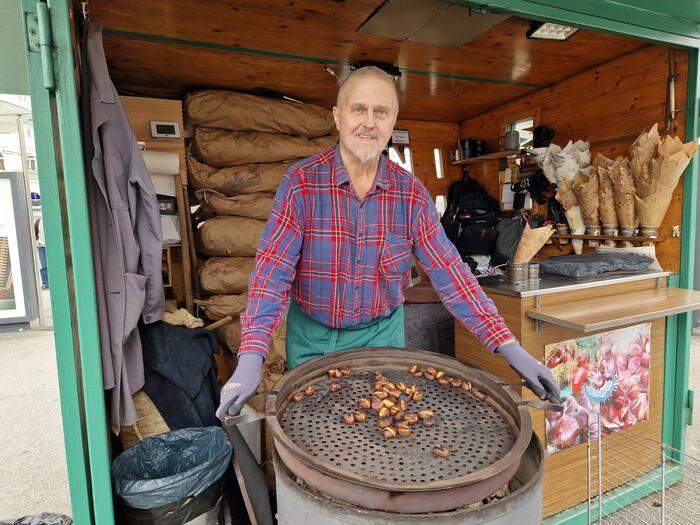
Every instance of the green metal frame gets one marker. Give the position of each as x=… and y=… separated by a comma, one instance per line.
x=62, y=179
x=69, y=253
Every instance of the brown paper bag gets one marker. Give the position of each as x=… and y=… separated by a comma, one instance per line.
x=253, y=205
x=230, y=236
x=221, y=148
x=624, y=192
x=229, y=335
x=586, y=190
x=240, y=111
x=225, y=275
x=250, y=178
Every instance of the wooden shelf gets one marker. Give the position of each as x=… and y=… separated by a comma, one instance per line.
x=591, y=315
x=605, y=237
x=488, y=156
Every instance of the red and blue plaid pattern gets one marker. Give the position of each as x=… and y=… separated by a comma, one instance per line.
x=347, y=261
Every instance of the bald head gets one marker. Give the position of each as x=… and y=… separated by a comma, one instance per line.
x=364, y=74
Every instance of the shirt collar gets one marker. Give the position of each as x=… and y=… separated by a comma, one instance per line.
x=340, y=174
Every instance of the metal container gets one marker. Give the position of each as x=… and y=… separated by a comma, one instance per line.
x=533, y=272
x=518, y=273
x=355, y=464
x=297, y=503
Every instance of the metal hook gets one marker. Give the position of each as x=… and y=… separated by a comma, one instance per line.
x=84, y=11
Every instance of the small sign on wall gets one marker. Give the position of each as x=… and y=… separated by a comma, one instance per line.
x=400, y=136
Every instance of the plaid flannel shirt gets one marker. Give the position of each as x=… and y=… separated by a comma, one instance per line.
x=347, y=261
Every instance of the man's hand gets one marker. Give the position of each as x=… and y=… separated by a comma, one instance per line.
x=537, y=376
x=243, y=383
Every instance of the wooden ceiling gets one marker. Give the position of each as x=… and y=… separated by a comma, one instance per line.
x=169, y=47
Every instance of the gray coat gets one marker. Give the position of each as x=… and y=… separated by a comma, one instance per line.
x=126, y=237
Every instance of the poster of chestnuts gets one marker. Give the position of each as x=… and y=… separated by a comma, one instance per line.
x=606, y=372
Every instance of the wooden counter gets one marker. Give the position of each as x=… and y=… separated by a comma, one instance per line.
x=551, y=316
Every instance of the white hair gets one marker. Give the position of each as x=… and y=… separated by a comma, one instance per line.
x=367, y=72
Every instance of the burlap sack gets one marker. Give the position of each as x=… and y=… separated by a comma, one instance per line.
x=226, y=275
x=251, y=178
x=219, y=306
x=150, y=422
x=230, y=236
x=253, y=205
x=229, y=335
x=240, y=112
x=218, y=147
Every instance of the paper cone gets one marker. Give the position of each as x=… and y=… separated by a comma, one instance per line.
x=575, y=219
x=531, y=242
x=586, y=190
x=643, y=149
x=606, y=198
x=652, y=210
x=565, y=194
x=624, y=192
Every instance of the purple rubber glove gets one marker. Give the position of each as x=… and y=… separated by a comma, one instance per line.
x=537, y=376
x=243, y=383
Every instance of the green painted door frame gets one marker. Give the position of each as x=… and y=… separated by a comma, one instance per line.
x=53, y=93
x=64, y=200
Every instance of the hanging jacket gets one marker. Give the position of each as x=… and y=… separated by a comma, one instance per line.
x=126, y=233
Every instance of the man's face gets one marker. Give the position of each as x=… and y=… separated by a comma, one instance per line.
x=366, y=117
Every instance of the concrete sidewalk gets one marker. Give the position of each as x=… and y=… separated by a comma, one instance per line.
x=33, y=476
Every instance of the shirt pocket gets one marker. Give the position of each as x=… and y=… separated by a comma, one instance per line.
x=395, y=257
x=134, y=300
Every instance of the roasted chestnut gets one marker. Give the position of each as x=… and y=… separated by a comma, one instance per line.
x=334, y=386
x=412, y=369
x=381, y=394
x=310, y=391
x=395, y=392
x=389, y=432
x=426, y=413
x=429, y=376
x=384, y=422
x=401, y=386
x=478, y=393
x=376, y=403
x=383, y=412
x=399, y=416
x=349, y=419
x=402, y=405
x=360, y=416
x=410, y=418
x=344, y=370
x=298, y=397
x=466, y=386
x=428, y=421
x=441, y=451
x=417, y=395
x=403, y=430
x=455, y=382
x=364, y=403
x=443, y=381
x=333, y=372
x=394, y=410
x=430, y=370
x=439, y=374
x=388, y=403
x=417, y=374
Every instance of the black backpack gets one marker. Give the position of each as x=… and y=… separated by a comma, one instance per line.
x=470, y=217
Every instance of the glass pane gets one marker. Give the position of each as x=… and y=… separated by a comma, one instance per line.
x=524, y=126
x=438, y=163
x=441, y=204
x=406, y=163
x=11, y=293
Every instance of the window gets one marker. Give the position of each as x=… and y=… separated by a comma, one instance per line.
x=441, y=204
x=31, y=163
x=524, y=127
x=406, y=162
x=438, y=163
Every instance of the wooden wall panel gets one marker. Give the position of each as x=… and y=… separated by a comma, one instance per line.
x=608, y=106
x=425, y=137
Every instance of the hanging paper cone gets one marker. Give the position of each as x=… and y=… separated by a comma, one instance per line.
x=624, y=192
x=531, y=242
x=643, y=149
x=586, y=190
x=575, y=219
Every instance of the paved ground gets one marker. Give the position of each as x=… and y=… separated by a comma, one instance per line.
x=32, y=460
x=33, y=475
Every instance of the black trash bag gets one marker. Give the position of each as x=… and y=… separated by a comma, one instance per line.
x=45, y=518
x=171, y=467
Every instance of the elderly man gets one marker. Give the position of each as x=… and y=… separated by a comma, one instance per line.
x=343, y=228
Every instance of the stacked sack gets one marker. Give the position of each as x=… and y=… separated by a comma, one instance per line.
x=241, y=147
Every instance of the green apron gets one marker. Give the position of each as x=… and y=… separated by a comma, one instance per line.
x=307, y=338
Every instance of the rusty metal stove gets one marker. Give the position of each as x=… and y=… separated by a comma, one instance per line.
x=355, y=464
